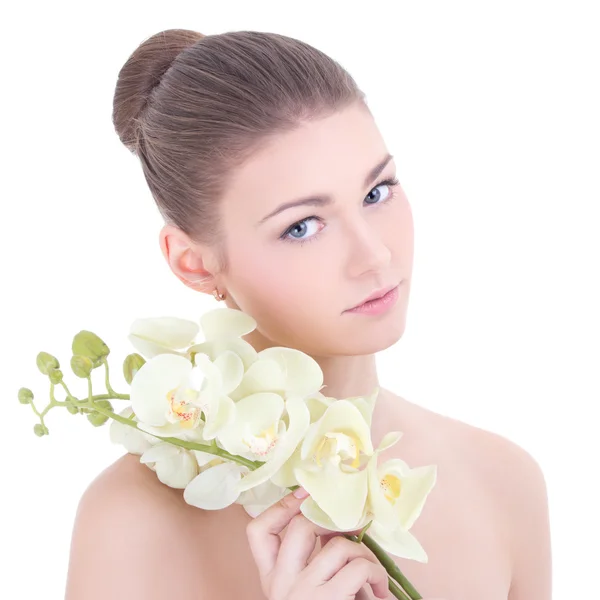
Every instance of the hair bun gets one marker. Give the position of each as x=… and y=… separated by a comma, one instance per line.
x=140, y=74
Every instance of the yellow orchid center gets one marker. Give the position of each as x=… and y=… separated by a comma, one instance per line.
x=264, y=442
x=337, y=447
x=180, y=410
x=391, y=486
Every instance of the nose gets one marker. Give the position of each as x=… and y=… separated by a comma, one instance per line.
x=368, y=250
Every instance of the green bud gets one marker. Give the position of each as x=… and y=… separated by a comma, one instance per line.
x=96, y=419
x=104, y=404
x=46, y=362
x=72, y=409
x=82, y=366
x=131, y=365
x=56, y=376
x=25, y=395
x=86, y=343
x=40, y=430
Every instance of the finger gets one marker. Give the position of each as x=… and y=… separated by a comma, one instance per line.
x=334, y=556
x=350, y=578
x=263, y=532
x=300, y=541
x=298, y=544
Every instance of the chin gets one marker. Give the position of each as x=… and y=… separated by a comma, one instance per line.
x=371, y=338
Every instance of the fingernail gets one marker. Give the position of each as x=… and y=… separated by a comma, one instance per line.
x=301, y=493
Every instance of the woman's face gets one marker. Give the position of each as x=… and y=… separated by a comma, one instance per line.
x=297, y=272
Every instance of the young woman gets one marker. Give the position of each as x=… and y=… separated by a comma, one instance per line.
x=280, y=197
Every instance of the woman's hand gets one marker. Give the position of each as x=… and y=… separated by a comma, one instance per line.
x=337, y=572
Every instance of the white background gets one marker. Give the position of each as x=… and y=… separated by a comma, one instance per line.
x=492, y=112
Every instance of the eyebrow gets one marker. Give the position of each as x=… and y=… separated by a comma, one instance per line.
x=325, y=199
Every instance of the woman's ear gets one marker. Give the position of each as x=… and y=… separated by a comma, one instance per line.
x=187, y=260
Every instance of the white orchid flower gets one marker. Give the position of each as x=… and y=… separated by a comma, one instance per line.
x=134, y=440
x=395, y=500
x=162, y=335
x=333, y=454
x=281, y=370
x=257, y=432
x=315, y=513
x=260, y=432
x=174, y=466
x=223, y=329
x=397, y=495
x=285, y=477
x=168, y=394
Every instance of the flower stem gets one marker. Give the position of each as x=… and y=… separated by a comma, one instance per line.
x=396, y=590
x=391, y=567
x=212, y=449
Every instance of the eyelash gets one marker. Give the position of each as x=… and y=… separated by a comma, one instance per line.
x=392, y=183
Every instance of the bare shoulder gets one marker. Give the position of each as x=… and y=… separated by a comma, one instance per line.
x=513, y=480
x=135, y=531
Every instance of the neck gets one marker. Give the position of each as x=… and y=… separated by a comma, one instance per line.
x=346, y=376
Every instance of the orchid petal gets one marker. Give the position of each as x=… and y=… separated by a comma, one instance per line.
x=416, y=484
x=388, y=440
x=162, y=334
x=152, y=384
x=303, y=375
x=339, y=416
x=262, y=375
x=299, y=422
x=219, y=419
x=134, y=440
x=253, y=415
x=177, y=471
x=150, y=349
x=231, y=368
x=258, y=499
x=227, y=322
x=342, y=496
x=160, y=451
x=398, y=541
x=214, y=488
x=214, y=348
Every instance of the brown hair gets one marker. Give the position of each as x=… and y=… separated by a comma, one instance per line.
x=193, y=107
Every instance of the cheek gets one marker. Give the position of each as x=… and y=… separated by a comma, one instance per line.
x=400, y=231
x=269, y=281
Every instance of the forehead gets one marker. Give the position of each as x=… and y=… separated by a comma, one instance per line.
x=317, y=157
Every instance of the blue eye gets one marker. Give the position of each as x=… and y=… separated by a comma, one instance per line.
x=300, y=227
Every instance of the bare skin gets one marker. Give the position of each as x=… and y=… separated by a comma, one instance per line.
x=484, y=525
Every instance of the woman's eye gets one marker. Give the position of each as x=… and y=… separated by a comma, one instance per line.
x=298, y=230
x=377, y=196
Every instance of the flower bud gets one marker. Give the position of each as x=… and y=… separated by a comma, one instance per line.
x=72, y=409
x=131, y=365
x=96, y=418
x=25, y=395
x=40, y=430
x=55, y=375
x=82, y=366
x=86, y=343
x=46, y=362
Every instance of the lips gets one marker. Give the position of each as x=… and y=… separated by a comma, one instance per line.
x=376, y=294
